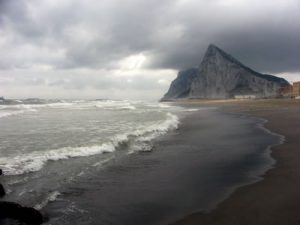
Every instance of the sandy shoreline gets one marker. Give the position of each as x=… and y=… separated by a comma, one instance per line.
x=275, y=199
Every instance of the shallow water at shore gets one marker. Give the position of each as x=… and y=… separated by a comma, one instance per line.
x=190, y=169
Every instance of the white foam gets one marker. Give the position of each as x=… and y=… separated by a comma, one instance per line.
x=13, y=113
x=114, y=105
x=21, y=106
x=60, y=105
x=78, y=104
x=130, y=107
x=147, y=134
x=5, y=114
x=140, y=147
x=34, y=161
x=163, y=105
x=103, y=162
x=157, y=105
x=191, y=110
x=50, y=198
x=11, y=110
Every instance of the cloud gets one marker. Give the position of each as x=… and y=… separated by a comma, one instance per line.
x=263, y=35
x=140, y=37
x=85, y=83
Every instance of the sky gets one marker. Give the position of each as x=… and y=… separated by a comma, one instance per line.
x=133, y=49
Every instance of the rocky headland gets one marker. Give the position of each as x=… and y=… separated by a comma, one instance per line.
x=221, y=76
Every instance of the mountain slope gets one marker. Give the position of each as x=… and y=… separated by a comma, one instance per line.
x=222, y=76
x=181, y=86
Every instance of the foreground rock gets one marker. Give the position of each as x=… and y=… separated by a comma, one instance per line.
x=27, y=215
x=221, y=76
x=12, y=211
x=2, y=191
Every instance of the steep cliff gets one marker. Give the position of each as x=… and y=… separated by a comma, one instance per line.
x=181, y=86
x=221, y=76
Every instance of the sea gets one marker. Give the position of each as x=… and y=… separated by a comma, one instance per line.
x=124, y=162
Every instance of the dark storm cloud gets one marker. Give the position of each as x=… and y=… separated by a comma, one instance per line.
x=89, y=33
x=274, y=49
x=172, y=34
x=264, y=35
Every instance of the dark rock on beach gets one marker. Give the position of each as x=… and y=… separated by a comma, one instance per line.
x=14, y=211
x=27, y=215
x=2, y=191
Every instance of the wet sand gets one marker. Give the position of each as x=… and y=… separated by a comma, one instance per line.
x=192, y=168
x=276, y=199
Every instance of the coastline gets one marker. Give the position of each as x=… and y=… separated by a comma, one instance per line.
x=185, y=171
x=193, y=168
x=276, y=198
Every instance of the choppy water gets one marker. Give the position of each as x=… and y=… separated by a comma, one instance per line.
x=34, y=134
x=100, y=162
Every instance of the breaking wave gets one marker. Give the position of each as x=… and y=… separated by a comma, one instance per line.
x=6, y=114
x=20, y=107
x=51, y=197
x=6, y=111
x=138, y=139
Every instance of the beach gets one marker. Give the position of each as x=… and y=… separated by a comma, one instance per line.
x=171, y=159
x=275, y=199
x=193, y=167
x=209, y=158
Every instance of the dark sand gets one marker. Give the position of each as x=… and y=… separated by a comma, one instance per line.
x=276, y=199
x=192, y=168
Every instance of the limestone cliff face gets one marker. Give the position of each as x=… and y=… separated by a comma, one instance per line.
x=222, y=76
x=181, y=86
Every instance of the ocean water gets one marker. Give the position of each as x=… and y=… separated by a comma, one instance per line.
x=46, y=144
x=34, y=134
x=125, y=162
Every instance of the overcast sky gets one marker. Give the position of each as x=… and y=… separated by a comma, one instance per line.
x=134, y=48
